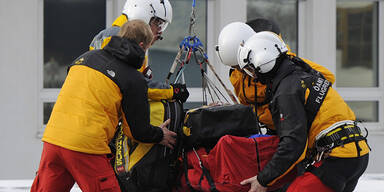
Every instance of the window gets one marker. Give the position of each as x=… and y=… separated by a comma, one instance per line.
x=67, y=28
x=366, y=111
x=191, y=105
x=47, y=111
x=357, y=44
x=162, y=53
x=283, y=12
x=359, y=66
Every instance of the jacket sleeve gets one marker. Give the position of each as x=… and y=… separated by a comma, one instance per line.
x=158, y=90
x=136, y=109
x=290, y=120
x=103, y=38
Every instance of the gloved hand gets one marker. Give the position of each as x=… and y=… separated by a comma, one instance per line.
x=180, y=92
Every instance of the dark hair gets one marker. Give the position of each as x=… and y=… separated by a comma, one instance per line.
x=262, y=24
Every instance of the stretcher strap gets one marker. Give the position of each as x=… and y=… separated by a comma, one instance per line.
x=185, y=162
x=205, y=173
x=257, y=155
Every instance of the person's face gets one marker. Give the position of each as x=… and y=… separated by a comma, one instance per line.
x=249, y=70
x=156, y=27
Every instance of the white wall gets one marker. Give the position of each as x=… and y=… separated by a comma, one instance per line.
x=19, y=148
x=376, y=156
x=317, y=32
x=218, y=17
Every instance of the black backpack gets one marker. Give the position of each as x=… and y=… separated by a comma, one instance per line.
x=205, y=125
x=148, y=167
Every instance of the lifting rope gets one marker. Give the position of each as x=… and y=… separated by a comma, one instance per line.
x=192, y=46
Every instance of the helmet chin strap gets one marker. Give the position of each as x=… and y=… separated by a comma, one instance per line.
x=248, y=72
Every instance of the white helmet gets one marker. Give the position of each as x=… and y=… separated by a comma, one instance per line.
x=147, y=9
x=261, y=50
x=231, y=36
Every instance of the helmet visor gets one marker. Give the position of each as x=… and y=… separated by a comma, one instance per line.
x=159, y=23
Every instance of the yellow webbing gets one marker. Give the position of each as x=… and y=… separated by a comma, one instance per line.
x=157, y=118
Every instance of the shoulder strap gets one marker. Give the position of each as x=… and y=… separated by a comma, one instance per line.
x=120, y=160
x=318, y=87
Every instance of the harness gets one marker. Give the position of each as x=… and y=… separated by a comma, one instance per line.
x=339, y=134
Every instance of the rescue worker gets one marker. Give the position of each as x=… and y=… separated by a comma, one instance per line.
x=310, y=118
x=101, y=87
x=244, y=85
x=158, y=14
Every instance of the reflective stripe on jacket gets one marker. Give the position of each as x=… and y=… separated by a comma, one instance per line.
x=101, y=86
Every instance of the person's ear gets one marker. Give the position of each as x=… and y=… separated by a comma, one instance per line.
x=141, y=44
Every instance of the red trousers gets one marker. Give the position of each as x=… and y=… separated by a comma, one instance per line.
x=60, y=168
x=308, y=182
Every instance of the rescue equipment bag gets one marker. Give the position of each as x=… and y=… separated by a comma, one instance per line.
x=232, y=160
x=205, y=125
x=146, y=166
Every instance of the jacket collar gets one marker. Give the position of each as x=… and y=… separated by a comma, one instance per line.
x=126, y=50
x=286, y=67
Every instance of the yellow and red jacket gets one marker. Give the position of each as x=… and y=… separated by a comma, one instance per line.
x=156, y=90
x=101, y=87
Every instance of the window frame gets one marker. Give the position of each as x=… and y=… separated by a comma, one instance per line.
x=371, y=93
x=317, y=21
x=113, y=10
x=217, y=19
x=196, y=93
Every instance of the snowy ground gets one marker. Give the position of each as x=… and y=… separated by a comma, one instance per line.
x=367, y=183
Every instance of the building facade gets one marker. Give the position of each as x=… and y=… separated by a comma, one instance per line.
x=41, y=37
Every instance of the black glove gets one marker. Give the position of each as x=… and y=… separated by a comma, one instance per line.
x=180, y=92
